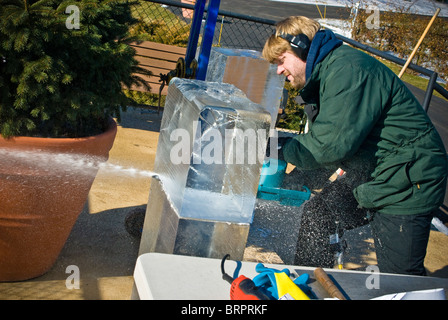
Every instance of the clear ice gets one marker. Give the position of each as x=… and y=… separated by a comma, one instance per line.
x=211, y=149
x=248, y=71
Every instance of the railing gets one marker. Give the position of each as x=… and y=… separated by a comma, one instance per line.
x=432, y=84
x=232, y=30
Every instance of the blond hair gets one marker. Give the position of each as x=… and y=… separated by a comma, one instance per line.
x=294, y=25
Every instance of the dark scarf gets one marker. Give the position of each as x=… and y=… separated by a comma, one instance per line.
x=323, y=43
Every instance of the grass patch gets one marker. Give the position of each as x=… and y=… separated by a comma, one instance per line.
x=145, y=98
x=411, y=78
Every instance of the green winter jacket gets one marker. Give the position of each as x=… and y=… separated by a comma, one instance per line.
x=369, y=121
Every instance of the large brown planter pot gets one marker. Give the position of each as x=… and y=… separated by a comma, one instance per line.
x=44, y=184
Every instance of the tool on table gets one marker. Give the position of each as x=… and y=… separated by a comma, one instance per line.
x=242, y=288
x=279, y=284
x=328, y=284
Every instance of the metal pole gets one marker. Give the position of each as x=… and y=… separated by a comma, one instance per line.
x=207, y=39
x=429, y=90
x=194, y=31
x=419, y=42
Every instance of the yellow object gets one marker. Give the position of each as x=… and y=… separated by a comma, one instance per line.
x=419, y=43
x=286, y=285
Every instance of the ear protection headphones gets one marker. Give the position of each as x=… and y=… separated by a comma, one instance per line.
x=300, y=44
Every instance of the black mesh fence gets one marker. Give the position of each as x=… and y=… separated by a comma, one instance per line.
x=169, y=22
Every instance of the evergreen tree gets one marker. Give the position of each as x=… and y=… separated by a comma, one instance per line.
x=60, y=81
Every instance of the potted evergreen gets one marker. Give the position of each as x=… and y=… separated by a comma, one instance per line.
x=62, y=69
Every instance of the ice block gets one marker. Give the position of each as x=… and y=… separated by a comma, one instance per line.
x=209, y=157
x=211, y=145
x=248, y=71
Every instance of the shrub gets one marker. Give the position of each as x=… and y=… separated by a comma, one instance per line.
x=61, y=82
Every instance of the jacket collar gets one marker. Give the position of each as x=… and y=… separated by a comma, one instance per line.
x=323, y=43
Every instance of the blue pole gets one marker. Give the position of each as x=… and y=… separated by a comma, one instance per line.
x=207, y=39
x=195, y=30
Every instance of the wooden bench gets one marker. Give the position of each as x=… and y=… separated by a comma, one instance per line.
x=159, y=59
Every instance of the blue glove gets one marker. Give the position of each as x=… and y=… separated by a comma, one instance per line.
x=266, y=280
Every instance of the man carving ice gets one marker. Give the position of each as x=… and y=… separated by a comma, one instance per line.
x=368, y=123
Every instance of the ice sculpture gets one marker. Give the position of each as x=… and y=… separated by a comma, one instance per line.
x=248, y=71
x=209, y=156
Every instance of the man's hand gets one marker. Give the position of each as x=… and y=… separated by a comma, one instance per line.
x=274, y=147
